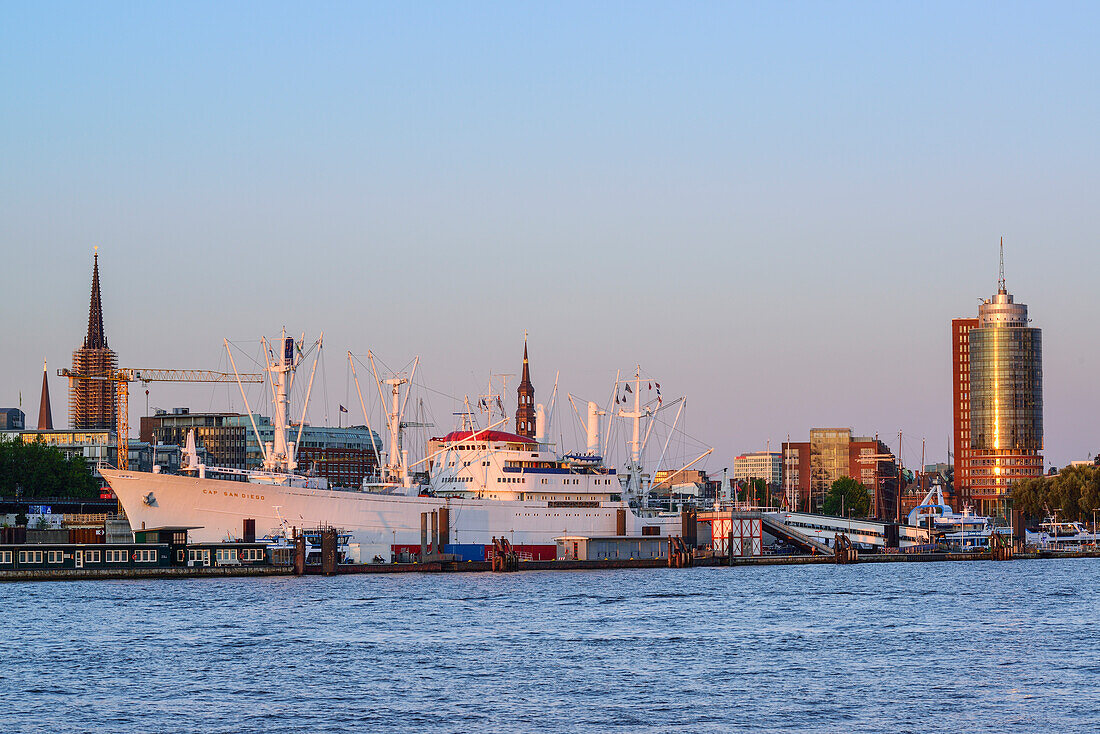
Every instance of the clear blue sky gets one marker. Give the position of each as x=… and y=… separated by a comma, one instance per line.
x=775, y=207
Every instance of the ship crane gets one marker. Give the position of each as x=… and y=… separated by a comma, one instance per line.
x=122, y=379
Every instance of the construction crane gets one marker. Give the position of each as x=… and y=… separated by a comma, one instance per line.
x=122, y=379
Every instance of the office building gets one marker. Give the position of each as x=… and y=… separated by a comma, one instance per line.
x=811, y=467
x=766, y=465
x=997, y=402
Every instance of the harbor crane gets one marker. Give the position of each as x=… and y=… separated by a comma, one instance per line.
x=122, y=379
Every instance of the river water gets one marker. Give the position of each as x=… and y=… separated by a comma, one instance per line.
x=904, y=647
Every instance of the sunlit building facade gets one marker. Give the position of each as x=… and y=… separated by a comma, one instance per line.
x=997, y=402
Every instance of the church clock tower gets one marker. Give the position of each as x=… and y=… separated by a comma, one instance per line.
x=525, y=411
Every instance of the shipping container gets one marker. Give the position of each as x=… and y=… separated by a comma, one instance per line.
x=466, y=551
x=13, y=536
x=86, y=535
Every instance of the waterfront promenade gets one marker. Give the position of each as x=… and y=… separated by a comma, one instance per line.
x=435, y=567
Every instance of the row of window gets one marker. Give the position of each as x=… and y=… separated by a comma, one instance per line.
x=90, y=556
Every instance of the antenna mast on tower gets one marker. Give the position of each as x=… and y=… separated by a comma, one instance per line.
x=1001, y=280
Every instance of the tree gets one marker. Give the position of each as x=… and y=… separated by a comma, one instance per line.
x=1029, y=496
x=1073, y=493
x=35, y=469
x=847, y=497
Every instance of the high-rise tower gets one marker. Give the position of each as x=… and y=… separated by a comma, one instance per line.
x=93, y=403
x=525, y=411
x=998, y=401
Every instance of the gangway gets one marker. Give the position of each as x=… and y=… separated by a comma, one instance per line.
x=788, y=534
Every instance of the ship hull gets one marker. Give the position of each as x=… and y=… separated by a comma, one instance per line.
x=217, y=510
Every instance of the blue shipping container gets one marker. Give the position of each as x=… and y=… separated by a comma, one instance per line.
x=466, y=551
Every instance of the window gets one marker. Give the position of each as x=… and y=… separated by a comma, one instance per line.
x=55, y=557
x=146, y=556
x=226, y=555
x=30, y=556
x=5, y=557
x=91, y=556
x=116, y=556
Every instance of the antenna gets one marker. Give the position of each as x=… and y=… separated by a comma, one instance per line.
x=1001, y=282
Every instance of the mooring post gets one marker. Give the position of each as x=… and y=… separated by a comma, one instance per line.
x=299, y=553
x=328, y=551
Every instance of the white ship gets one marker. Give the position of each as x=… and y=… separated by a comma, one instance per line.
x=959, y=529
x=493, y=484
x=1061, y=535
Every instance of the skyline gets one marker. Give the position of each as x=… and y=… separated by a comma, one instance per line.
x=774, y=210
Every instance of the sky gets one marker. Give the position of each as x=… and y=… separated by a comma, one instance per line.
x=774, y=208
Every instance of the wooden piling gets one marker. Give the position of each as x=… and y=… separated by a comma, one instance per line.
x=329, y=556
x=299, y=553
x=444, y=525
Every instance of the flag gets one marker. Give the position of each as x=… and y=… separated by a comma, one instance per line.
x=616, y=398
x=658, y=385
x=343, y=409
x=500, y=405
x=651, y=386
x=628, y=388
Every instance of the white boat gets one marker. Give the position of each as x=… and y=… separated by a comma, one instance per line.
x=492, y=483
x=1060, y=535
x=958, y=529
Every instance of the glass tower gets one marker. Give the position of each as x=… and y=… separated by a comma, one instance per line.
x=1005, y=401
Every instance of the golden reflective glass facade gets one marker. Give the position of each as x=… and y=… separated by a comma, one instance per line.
x=1006, y=396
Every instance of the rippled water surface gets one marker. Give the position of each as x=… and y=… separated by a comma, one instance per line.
x=906, y=647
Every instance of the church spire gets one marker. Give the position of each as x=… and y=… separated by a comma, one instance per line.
x=525, y=410
x=45, y=415
x=95, y=339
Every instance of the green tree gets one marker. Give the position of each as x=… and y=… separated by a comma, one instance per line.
x=35, y=469
x=755, y=492
x=1031, y=496
x=1073, y=493
x=847, y=497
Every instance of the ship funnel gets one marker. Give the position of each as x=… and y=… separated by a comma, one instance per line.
x=190, y=459
x=540, y=424
x=593, y=428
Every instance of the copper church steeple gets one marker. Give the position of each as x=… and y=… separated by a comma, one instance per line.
x=525, y=411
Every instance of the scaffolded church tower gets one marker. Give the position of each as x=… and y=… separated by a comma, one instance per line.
x=93, y=404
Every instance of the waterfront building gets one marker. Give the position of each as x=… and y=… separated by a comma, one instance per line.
x=221, y=434
x=997, y=401
x=811, y=467
x=12, y=419
x=766, y=465
x=92, y=446
x=93, y=404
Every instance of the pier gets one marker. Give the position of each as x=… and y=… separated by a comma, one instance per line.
x=456, y=566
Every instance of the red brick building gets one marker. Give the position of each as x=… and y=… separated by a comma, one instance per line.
x=960, y=404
